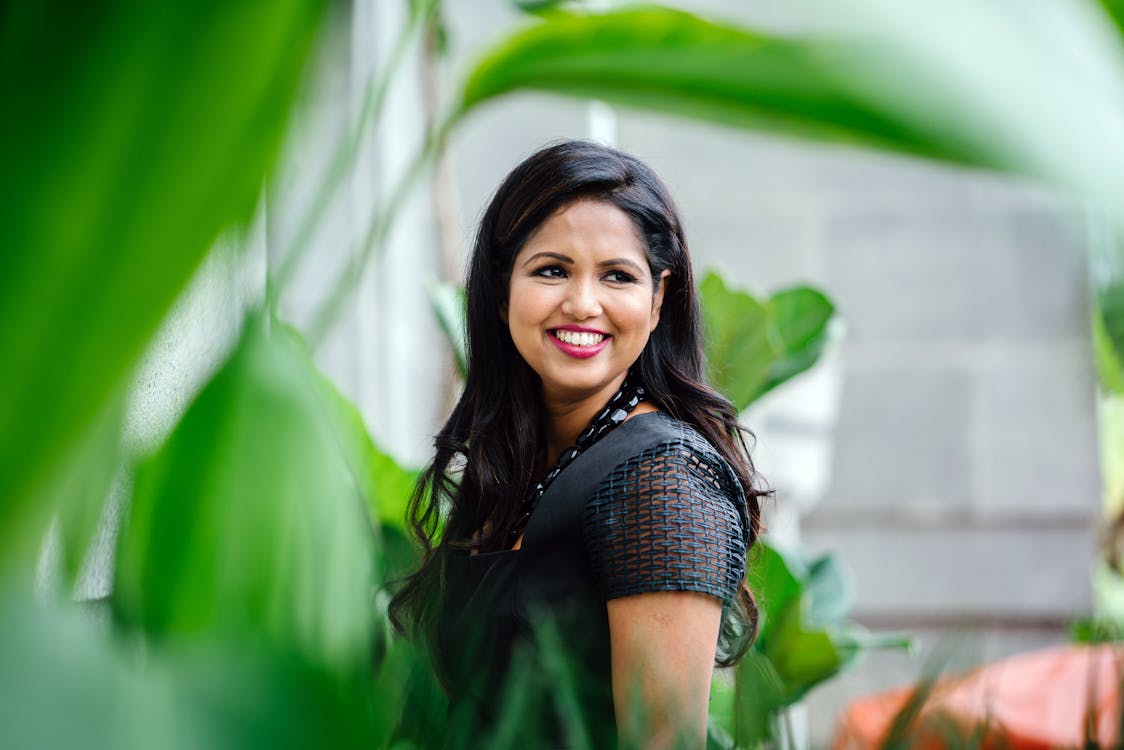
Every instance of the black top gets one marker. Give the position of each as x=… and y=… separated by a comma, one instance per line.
x=650, y=507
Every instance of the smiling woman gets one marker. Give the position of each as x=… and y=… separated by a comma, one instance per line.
x=597, y=495
x=581, y=290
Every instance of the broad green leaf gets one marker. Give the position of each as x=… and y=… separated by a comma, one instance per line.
x=738, y=348
x=385, y=484
x=803, y=656
x=247, y=523
x=80, y=488
x=800, y=318
x=132, y=133
x=759, y=696
x=448, y=302
x=830, y=591
x=721, y=710
x=75, y=685
x=1115, y=11
x=672, y=61
x=751, y=346
x=717, y=736
x=771, y=577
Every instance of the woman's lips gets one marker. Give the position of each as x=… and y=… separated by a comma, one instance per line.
x=581, y=344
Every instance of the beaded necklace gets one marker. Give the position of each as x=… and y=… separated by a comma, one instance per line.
x=614, y=413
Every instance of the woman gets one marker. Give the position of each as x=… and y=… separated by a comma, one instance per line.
x=587, y=514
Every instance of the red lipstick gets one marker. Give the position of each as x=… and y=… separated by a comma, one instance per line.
x=578, y=351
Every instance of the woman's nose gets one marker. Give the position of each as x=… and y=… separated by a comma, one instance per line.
x=581, y=300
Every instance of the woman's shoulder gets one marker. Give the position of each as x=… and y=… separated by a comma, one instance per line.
x=671, y=517
x=680, y=446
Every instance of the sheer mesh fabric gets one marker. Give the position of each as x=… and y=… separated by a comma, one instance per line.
x=670, y=519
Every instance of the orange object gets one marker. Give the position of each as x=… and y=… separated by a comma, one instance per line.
x=1053, y=698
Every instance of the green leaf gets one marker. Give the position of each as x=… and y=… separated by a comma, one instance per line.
x=449, y=305
x=80, y=687
x=539, y=6
x=753, y=347
x=385, y=484
x=738, y=349
x=830, y=591
x=80, y=488
x=247, y=522
x=721, y=710
x=1108, y=336
x=759, y=695
x=1115, y=11
x=132, y=134
x=800, y=318
x=802, y=656
x=671, y=61
x=771, y=577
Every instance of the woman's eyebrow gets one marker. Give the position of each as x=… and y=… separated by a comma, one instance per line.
x=621, y=262
x=556, y=256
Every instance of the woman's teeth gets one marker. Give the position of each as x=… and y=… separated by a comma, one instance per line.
x=574, y=338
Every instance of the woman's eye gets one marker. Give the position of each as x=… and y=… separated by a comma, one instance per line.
x=551, y=272
x=621, y=277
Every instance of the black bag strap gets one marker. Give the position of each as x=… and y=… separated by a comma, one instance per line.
x=560, y=509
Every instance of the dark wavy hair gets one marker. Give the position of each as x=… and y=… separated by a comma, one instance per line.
x=487, y=452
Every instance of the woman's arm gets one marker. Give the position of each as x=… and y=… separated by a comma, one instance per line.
x=663, y=646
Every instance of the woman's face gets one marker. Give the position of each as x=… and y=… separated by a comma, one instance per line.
x=582, y=303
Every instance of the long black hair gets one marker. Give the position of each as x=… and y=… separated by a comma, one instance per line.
x=487, y=452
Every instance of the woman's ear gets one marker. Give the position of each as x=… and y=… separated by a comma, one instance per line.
x=657, y=298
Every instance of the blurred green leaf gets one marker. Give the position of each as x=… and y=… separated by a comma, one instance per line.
x=1115, y=11
x=385, y=484
x=1108, y=336
x=721, y=711
x=671, y=61
x=247, y=521
x=717, y=736
x=771, y=578
x=80, y=488
x=759, y=696
x=803, y=656
x=752, y=347
x=830, y=591
x=70, y=684
x=448, y=302
x=131, y=134
x=738, y=350
x=539, y=6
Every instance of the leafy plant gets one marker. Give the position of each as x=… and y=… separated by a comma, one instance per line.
x=804, y=640
x=131, y=138
x=751, y=346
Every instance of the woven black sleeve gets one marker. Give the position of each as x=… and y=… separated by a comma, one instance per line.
x=670, y=519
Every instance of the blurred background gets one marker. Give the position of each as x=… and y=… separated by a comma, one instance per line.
x=944, y=446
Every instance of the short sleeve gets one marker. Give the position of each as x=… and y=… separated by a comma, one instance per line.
x=670, y=519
